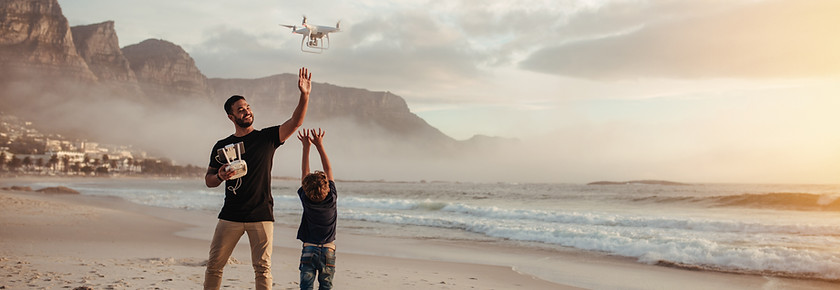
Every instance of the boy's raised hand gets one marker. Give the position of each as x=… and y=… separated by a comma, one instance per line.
x=303, y=136
x=317, y=137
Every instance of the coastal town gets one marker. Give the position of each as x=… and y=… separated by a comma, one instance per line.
x=25, y=150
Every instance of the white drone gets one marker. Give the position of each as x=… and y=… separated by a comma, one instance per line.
x=313, y=36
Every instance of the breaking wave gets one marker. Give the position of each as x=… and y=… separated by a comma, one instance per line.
x=779, y=201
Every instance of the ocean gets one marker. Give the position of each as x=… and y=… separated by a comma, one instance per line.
x=777, y=230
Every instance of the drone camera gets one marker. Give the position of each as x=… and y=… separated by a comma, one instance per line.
x=233, y=155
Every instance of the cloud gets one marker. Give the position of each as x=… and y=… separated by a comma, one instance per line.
x=409, y=50
x=233, y=53
x=754, y=39
x=440, y=45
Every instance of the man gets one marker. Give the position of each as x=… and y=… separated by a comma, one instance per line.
x=248, y=206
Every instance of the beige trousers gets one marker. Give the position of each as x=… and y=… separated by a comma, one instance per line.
x=227, y=234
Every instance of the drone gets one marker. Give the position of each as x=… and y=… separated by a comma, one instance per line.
x=313, y=36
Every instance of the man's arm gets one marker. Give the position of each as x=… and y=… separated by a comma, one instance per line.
x=215, y=176
x=303, y=136
x=305, y=86
x=318, y=141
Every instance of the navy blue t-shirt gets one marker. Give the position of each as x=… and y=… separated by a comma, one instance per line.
x=248, y=199
x=317, y=225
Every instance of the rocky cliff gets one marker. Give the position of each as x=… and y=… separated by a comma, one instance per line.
x=165, y=70
x=99, y=46
x=35, y=39
x=40, y=50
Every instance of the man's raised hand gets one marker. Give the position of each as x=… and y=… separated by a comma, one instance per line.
x=304, y=81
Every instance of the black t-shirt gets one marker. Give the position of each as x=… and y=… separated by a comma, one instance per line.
x=317, y=225
x=248, y=198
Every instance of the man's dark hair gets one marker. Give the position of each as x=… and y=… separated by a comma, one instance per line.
x=230, y=101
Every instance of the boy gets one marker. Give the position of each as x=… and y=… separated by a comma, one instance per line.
x=317, y=224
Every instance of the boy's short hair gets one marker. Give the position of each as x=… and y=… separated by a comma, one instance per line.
x=230, y=101
x=316, y=186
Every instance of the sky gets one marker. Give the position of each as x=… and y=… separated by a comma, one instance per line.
x=711, y=91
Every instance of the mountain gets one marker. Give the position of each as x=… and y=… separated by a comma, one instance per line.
x=381, y=109
x=99, y=46
x=165, y=70
x=79, y=81
x=35, y=40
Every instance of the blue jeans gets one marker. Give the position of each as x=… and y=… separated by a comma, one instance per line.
x=320, y=262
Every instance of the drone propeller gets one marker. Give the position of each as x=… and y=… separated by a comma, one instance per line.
x=293, y=27
x=338, y=25
x=304, y=20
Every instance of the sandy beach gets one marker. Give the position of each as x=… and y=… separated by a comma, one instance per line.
x=67, y=241
x=52, y=241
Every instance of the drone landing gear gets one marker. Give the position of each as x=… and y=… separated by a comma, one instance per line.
x=314, y=45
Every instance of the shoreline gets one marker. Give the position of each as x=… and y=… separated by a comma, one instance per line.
x=163, y=236
x=57, y=241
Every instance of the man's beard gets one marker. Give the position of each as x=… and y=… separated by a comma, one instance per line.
x=244, y=124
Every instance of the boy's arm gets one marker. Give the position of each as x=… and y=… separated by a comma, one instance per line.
x=303, y=136
x=305, y=86
x=318, y=140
